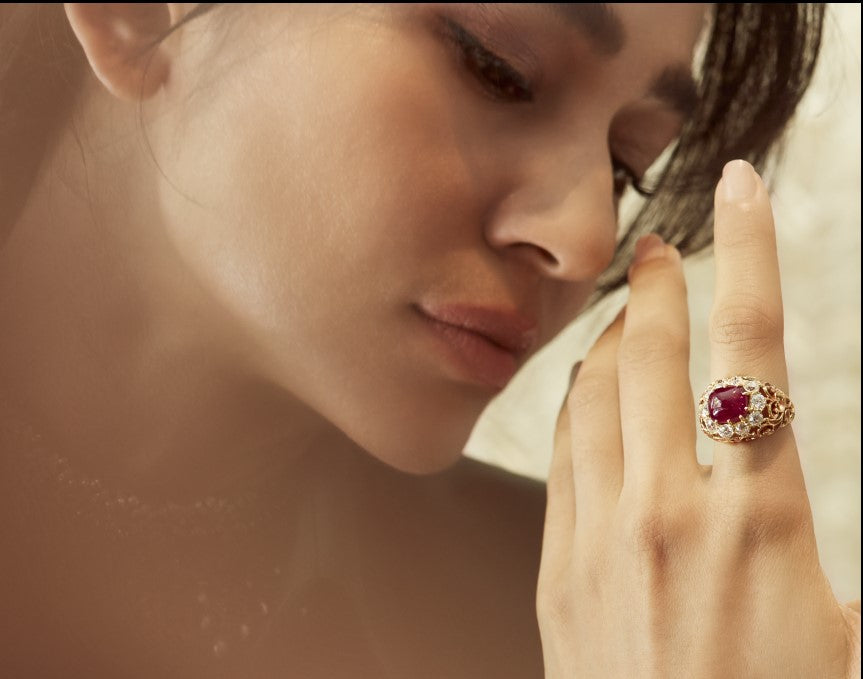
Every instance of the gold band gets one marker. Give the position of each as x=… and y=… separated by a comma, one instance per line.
x=742, y=408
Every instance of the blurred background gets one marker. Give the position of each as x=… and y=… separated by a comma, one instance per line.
x=816, y=203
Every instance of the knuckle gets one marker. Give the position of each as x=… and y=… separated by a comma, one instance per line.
x=780, y=520
x=593, y=572
x=651, y=535
x=554, y=604
x=660, y=345
x=660, y=531
x=750, y=326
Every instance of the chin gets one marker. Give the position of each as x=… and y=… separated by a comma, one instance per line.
x=420, y=451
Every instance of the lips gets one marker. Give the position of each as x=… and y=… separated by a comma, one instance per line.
x=508, y=329
x=482, y=345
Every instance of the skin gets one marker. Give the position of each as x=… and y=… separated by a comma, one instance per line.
x=700, y=571
x=264, y=271
x=491, y=215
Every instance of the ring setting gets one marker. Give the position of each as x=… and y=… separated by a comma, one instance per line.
x=743, y=408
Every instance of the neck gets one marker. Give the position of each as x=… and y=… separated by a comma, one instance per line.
x=191, y=577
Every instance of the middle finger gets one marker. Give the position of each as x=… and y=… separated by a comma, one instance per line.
x=746, y=320
x=656, y=404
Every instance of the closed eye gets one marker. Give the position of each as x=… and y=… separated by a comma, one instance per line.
x=624, y=176
x=497, y=77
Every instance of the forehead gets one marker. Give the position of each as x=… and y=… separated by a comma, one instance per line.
x=645, y=46
x=668, y=29
x=611, y=26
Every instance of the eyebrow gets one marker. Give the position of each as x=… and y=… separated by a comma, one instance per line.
x=676, y=87
x=598, y=22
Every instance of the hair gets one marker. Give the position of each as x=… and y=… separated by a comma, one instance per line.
x=756, y=65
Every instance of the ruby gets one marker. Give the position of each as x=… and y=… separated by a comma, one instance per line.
x=727, y=404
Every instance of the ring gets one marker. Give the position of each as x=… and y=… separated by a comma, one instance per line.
x=742, y=408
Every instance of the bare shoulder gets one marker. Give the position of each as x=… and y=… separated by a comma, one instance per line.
x=517, y=502
x=509, y=510
x=501, y=518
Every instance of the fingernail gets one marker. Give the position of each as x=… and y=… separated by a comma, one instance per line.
x=738, y=181
x=648, y=247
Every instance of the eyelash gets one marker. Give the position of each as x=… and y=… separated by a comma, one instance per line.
x=506, y=84
x=497, y=76
x=631, y=178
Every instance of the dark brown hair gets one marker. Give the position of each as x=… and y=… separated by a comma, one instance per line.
x=757, y=63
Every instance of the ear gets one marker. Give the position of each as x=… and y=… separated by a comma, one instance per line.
x=117, y=39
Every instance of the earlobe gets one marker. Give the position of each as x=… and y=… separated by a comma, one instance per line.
x=120, y=42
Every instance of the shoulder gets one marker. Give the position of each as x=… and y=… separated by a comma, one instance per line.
x=509, y=510
x=501, y=517
x=514, y=500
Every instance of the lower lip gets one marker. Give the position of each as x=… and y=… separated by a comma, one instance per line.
x=476, y=358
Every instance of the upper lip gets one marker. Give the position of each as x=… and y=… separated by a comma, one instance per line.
x=508, y=328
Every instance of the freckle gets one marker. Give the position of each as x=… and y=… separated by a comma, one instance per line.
x=264, y=608
x=202, y=598
x=277, y=571
x=206, y=621
x=304, y=610
x=220, y=648
x=245, y=631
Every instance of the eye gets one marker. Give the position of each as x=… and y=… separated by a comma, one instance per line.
x=495, y=75
x=623, y=176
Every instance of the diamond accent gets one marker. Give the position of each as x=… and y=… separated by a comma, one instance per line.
x=755, y=418
x=751, y=385
x=757, y=402
x=741, y=428
x=725, y=431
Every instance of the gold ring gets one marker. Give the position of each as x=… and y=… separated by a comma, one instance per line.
x=742, y=408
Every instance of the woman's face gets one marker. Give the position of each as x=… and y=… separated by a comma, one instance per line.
x=367, y=166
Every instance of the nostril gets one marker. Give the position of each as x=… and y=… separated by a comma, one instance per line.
x=547, y=257
x=538, y=256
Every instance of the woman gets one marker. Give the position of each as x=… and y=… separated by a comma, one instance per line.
x=263, y=269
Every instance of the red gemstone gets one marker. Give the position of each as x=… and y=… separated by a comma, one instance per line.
x=727, y=404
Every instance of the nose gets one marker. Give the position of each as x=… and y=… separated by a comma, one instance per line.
x=560, y=217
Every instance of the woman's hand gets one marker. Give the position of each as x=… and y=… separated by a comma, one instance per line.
x=653, y=565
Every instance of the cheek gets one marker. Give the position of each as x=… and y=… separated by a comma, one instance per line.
x=343, y=171
x=339, y=190
x=565, y=302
